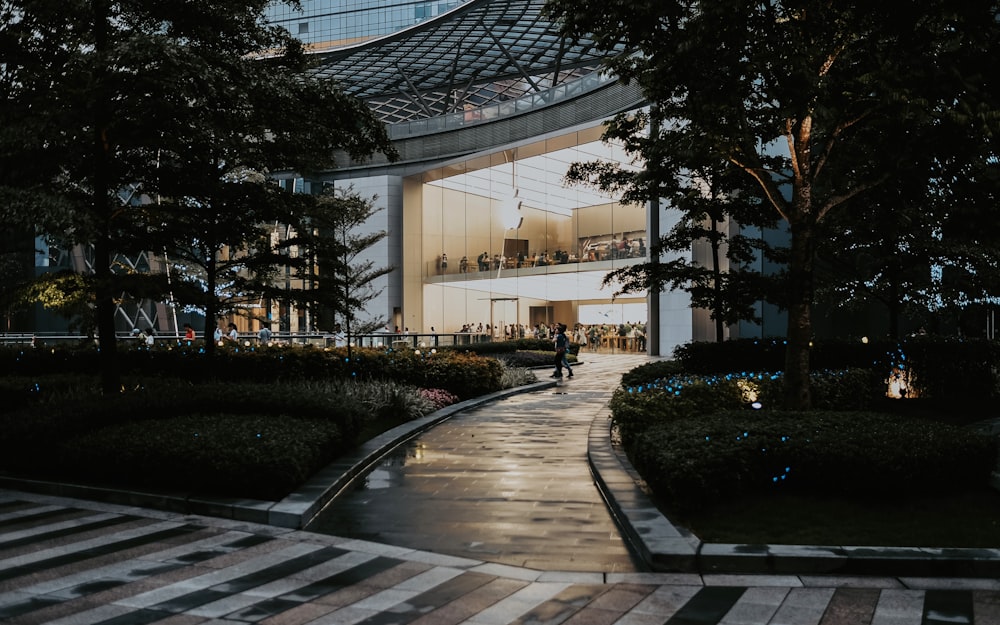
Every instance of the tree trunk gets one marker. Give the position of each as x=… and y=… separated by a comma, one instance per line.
x=895, y=272
x=799, y=333
x=105, y=313
x=211, y=307
x=104, y=291
x=717, y=277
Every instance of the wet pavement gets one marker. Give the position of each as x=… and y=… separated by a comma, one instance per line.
x=506, y=483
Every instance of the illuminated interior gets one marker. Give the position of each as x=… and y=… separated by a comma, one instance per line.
x=504, y=240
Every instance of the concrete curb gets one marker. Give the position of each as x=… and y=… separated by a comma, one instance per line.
x=294, y=511
x=666, y=548
x=657, y=542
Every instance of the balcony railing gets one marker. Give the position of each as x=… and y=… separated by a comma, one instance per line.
x=492, y=112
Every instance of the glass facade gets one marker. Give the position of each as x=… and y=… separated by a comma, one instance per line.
x=504, y=241
x=327, y=24
x=495, y=241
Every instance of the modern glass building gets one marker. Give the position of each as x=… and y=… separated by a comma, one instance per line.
x=328, y=24
x=488, y=107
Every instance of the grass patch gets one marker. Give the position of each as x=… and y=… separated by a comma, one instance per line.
x=966, y=519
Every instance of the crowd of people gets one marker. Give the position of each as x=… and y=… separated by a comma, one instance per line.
x=608, y=250
x=626, y=335
x=630, y=336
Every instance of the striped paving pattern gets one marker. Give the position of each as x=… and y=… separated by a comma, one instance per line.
x=73, y=562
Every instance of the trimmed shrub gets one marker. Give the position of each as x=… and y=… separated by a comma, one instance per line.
x=464, y=374
x=77, y=434
x=851, y=389
x=692, y=463
x=256, y=456
x=943, y=370
x=636, y=409
x=652, y=372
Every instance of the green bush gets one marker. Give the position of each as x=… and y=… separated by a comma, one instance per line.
x=851, y=389
x=696, y=440
x=465, y=374
x=636, y=409
x=943, y=370
x=247, y=455
x=74, y=433
x=533, y=358
x=502, y=348
x=652, y=372
x=694, y=462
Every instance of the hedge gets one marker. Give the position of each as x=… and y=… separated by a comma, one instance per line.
x=692, y=463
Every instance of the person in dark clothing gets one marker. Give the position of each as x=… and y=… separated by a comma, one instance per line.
x=562, y=346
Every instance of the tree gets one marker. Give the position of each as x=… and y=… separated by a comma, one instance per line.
x=218, y=242
x=711, y=201
x=333, y=260
x=194, y=101
x=804, y=97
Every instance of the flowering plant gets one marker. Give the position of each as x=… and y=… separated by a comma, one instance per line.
x=439, y=397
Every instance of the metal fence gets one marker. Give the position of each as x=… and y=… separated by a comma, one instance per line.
x=383, y=340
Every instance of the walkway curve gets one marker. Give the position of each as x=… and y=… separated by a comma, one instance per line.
x=506, y=482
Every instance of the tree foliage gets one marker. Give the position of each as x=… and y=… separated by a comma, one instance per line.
x=816, y=102
x=196, y=102
x=334, y=261
x=713, y=208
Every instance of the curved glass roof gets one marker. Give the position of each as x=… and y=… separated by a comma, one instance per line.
x=482, y=52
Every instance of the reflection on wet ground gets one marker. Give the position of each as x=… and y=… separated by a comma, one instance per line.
x=507, y=482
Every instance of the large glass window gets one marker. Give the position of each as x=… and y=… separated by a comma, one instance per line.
x=332, y=23
x=505, y=241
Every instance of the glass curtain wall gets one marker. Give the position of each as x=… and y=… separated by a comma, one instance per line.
x=327, y=24
x=506, y=245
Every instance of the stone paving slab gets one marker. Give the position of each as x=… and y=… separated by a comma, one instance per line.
x=213, y=572
x=501, y=482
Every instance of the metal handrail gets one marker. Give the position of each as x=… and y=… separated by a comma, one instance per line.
x=324, y=339
x=491, y=112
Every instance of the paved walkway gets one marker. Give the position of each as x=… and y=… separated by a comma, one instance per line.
x=76, y=561
x=506, y=482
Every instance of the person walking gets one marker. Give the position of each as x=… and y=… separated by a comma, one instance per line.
x=565, y=362
x=562, y=345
